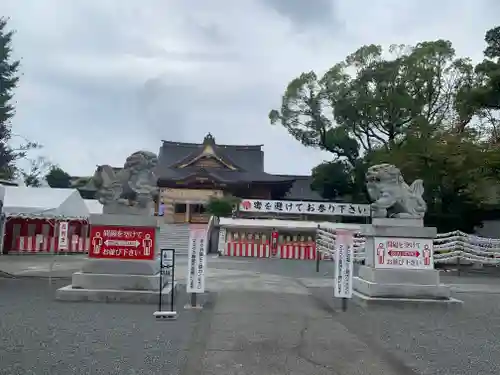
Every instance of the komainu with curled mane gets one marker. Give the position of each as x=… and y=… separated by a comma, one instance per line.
x=391, y=195
x=133, y=186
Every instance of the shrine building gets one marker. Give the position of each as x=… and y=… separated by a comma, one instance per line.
x=189, y=174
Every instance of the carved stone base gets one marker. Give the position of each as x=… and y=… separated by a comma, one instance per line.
x=116, y=280
x=70, y=294
x=391, y=222
x=403, y=303
x=82, y=280
x=120, y=209
x=376, y=285
x=121, y=267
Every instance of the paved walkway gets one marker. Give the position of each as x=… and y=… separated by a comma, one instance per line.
x=267, y=317
x=248, y=333
x=225, y=273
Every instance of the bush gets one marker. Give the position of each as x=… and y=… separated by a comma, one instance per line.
x=222, y=207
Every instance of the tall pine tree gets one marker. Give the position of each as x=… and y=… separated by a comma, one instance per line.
x=8, y=82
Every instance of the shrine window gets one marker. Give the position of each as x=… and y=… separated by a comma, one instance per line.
x=198, y=208
x=180, y=208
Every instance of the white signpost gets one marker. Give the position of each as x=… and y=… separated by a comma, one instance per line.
x=167, y=264
x=62, y=241
x=222, y=240
x=197, y=263
x=404, y=253
x=344, y=266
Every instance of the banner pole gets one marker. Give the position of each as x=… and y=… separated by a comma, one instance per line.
x=172, y=304
x=317, y=260
x=161, y=281
x=172, y=314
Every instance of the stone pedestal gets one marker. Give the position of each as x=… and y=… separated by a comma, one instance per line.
x=378, y=285
x=114, y=208
x=110, y=280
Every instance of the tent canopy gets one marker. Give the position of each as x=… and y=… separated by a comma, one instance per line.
x=94, y=206
x=44, y=203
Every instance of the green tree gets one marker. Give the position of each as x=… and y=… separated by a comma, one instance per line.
x=339, y=180
x=222, y=207
x=366, y=102
x=58, y=178
x=8, y=82
x=35, y=174
x=411, y=109
x=456, y=177
x=487, y=95
x=9, y=79
x=305, y=113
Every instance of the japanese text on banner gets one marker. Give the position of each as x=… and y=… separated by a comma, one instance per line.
x=196, y=261
x=344, y=266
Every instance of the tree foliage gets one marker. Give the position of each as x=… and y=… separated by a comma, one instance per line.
x=419, y=107
x=338, y=180
x=58, y=178
x=222, y=207
x=487, y=95
x=35, y=174
x=8, y=82
x=9, y=78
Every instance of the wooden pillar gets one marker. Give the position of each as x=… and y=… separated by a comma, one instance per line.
x=168, y=213
x=188, y=213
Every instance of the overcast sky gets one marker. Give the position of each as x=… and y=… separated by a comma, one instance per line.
x=104, y=78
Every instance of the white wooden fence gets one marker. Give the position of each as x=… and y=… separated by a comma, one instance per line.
x=325, y=242
x=466, y=248
x=449, y=248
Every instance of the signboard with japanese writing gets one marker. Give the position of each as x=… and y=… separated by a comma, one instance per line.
x=344, y=264
x=63, y=237
x=222, y=240
x=309, y=208
x=122, y=242
x=167, y=261
x=197, y=261
x=404, y=253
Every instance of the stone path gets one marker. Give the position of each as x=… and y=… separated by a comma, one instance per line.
x=267, y=316
x=251, y=333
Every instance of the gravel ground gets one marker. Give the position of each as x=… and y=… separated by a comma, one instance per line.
x=281, y=267
x=464, y=341
x=41, y=336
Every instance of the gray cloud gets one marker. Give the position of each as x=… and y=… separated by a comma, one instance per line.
x=306, y=14
x=103, y=79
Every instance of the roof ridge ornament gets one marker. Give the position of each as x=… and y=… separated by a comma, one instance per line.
x=209, y=139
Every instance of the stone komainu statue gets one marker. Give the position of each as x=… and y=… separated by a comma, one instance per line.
x=134, y=186
x=391, y=195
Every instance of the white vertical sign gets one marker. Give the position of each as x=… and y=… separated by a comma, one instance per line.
x=221, y=247
x=197, y=261
x=167, y=261
x=344, y=264
x=62, y=243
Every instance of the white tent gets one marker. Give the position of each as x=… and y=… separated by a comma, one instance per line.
x=94, y=206
x=44, y=203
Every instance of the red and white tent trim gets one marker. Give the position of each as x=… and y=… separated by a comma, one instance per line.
x=33, y=216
